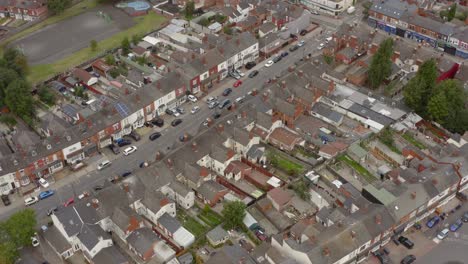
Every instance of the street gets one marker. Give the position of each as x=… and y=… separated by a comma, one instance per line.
x=76, y=183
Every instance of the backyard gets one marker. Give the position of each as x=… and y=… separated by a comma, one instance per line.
x=191, y=224
x=285, y=164
x=210, y=217
x=413, y=141
x=357, y=167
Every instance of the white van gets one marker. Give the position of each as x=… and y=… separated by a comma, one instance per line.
x=104, y=164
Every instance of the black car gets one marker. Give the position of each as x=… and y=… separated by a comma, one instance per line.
x=253, y=74
x=303, y=32
x=6, y=200
x=169, y=111
x=406, y=242
x=277, y=59
x=98, y=187
x=284, y=54
x=408, y=259
x=293, y=48
x=114, y=149
x=126, y=173
x=227, y=91
x=381, y=257
x=52, y=210
x=465, y=217
x=216, y=115
x=176, y=122
x=158, y=122
x=154, y=136
x=250, y=65
x=124, y=142
x=148, y=124
x=417, y=226
x=293, y=36
x=135, y=135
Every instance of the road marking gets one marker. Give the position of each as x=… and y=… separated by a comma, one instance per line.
x=436, y=240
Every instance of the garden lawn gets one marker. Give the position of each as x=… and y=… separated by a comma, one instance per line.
x=413, y=141
x=144, y=25
x=192, y=225
x=286, y=164
x=210, y=218
x=356, y=166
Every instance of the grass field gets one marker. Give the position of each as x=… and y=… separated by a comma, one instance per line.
x=210, y=218
x=357, y=167
x=143, y=25
x=192, y=225
x=285, y=164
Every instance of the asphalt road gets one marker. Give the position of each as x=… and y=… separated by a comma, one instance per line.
x=169, y=140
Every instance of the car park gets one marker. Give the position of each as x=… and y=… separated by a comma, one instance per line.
x=176, y=122
x=406, y=242
x=237, y=83
x=269, y=63
x=45, y=194
x=455, y=226
x=250, y=65
x=52, y=210
x=159, y=122
x=443, y=234
x=301, y=43
x=253, y=74
x=126, y=174
x=121, y=142
x=227, y=91
x=129, y=150
x=103, y=164
x=6, y=200
x=192, y=98
x=433, y=221
x=408, y=259
x=154, y=136
x=43, y=182
x=195, y=109
x=294, y=48
x=31, y=200
x=213, y=104
x=69, y=202
x=277, y=59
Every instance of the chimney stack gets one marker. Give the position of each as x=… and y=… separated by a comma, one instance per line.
x=194, y=146
x=413, y=195
x=126, y=187
x=169, y=163
x=158, y=156
x=378, y=219
x=326, y=251
x=283, y=84
x=265, y=96
x=220, y=128
x=95, y=203
x=300, y=73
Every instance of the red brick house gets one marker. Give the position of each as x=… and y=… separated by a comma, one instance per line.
x=284, y=139
x=211, y=192
x=286, y=112
x=29, y=10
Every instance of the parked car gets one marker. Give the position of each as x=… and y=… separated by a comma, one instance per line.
x=52, y=210
x=433, y=221
x=6, y=200
x=443, y=234
x=301, y=43
x=175, y=112
x=250, y=65
x=176, y=122
x=395, y=241
x=455, y=226
x=225, y=103
x=169, y=111
x=45, y=194
x=293, y=48
x=123, y=142
x=98, y=187
x=148, y=124
x=237, y=83
x=159, y=122
x=465, y=217
x=241, y=74
x=129, y=150
x=321, y=46
x=181, y=110
x=211, y=99
x=383, y=258
x=34, y=240
x=462, y=197
x=31, y=200
x=192, y=98
x=154, y=136
x=406, y=242
x=269, y=63
x=408, y=259
x=69, y=202
x=213, y=104
x=293, y=36
x=103, y=164
x=284, y=54
x=253, y=74
x=195, y=109
x=260, y=235
x=216, y=115
x=43, y=182
x=277, y=59
x=77, y=166
x=314, y=12
x=135, y=135
x=126, y=173
x=234, y=75
x=114, y=179
x=227, y=91
x=240, y=100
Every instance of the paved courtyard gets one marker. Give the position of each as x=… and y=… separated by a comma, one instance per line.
x=63, y=38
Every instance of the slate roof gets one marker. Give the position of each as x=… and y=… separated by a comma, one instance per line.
x=284, y=136
x=142, y=239
x=154, y=200
x=122, y=215
x=370, y=114
x=110, y=255
x=210, y=189
x=90, y=235
x=284, y=107
x=217, y=234
x=70, y=220
x=169, y=222
x=179, y=188
x=267, y=27
x=392, y=8
x=231, y=255
x=264, y=120
x=325, y=111
x=58, y=241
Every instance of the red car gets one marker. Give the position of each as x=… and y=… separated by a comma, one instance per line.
x=237, y=83
x=69, y=202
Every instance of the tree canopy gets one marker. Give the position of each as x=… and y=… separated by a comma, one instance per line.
x=189, y=9
x=58, y=6
x=234, y=213
x=419, y=89
x=126, y=46
x=16, y=232
x=451, y=12
x=381, y=64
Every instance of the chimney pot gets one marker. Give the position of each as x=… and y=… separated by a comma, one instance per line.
x=220, y=128
x=126, y=187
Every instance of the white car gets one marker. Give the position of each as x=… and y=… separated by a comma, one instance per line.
x=192, y=98
x=269, y=63
x=240, y=73
x=443, y=234
x=328, y=39
x=321, y=46
x=104, y=164
x=195, y=109
x=210, y=99
x=31, y=200
x=34, y=240
x=43, y=183
x=301, y=43
x=129, y=150
x=175, y=112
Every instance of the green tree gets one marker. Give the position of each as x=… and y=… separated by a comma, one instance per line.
x=227, y=30
x=452, y=11
x=381, y=64
x=46, y=95
x=125, y=46
x=437, y=107
x=6, y=77
x=58, y=6
x=16, y=61
x=204, y=22
x=19, y=100
x=20, y=227
x=8, y=252
x=189, y=9
x=8, y=120
x=93, y=44
x=136, y=39
x=110, y=59
x=301, y=189
x=420, y=88
x=234, y=213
